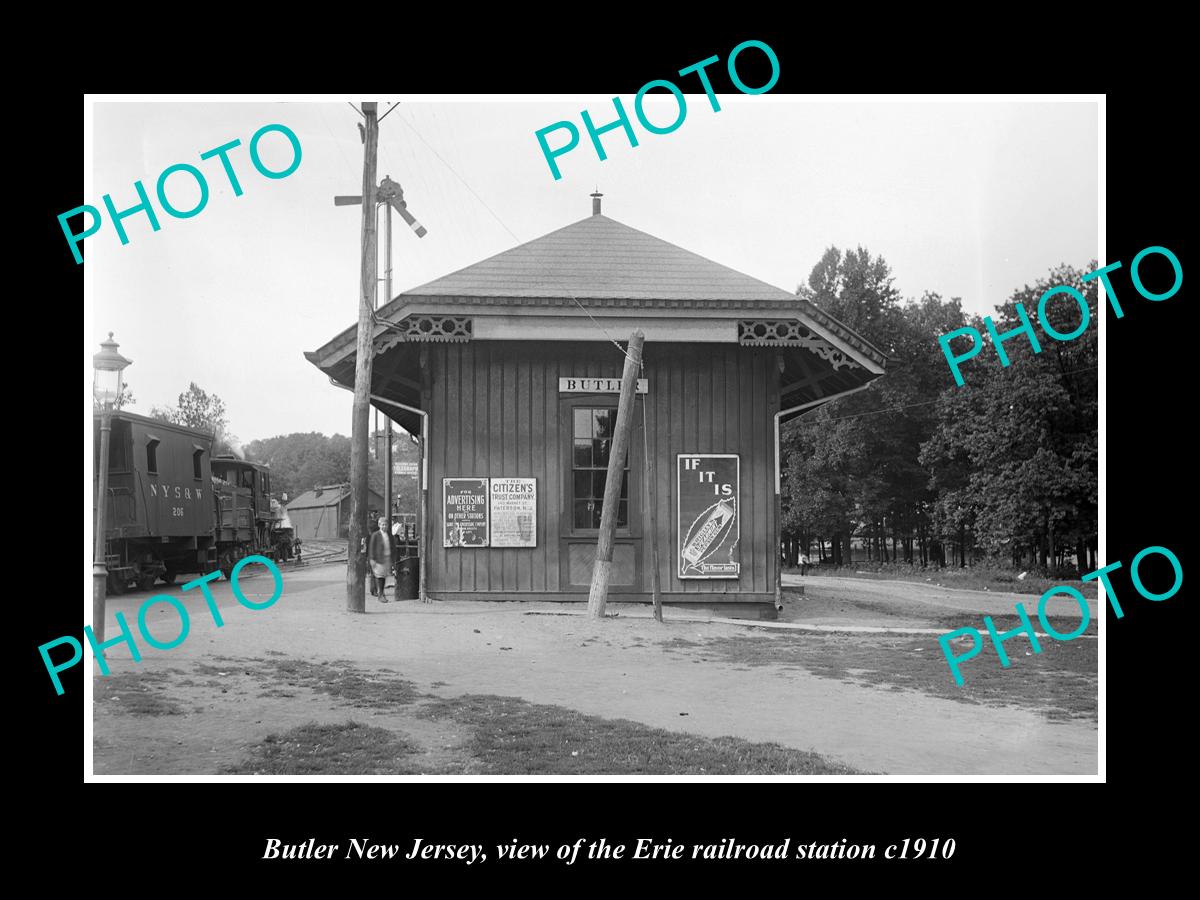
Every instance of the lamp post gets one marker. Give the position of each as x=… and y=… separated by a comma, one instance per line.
x=108, y=365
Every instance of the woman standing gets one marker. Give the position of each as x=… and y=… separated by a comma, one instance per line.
x=380, y=554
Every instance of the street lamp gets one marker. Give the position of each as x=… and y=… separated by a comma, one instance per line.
x=108, y=365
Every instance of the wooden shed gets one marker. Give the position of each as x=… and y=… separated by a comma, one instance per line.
x=513, y=363
x=324, y=512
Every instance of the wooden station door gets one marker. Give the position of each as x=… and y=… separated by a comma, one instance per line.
x=586, y=423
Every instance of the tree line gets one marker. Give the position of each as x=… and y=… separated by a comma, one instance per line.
x=920, y=471
x=304, y=460
x=299, y=461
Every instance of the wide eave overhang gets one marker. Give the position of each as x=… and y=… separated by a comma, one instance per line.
x=598, y=280
x=819, y=357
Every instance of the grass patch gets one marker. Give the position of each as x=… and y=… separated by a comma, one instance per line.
x=977, y=578
x=513, y=737
x=504, y=735
x=359, y=688
x=350, y=748
x=135, y=693
x=1061, y=682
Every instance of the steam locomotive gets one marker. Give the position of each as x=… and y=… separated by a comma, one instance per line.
x=175, y=509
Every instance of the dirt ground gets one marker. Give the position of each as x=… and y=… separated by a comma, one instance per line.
x=205, y=706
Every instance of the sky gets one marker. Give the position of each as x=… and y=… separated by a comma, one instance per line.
x=967, y=199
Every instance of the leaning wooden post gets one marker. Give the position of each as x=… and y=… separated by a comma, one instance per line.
x=652, y=502
x=616, y=471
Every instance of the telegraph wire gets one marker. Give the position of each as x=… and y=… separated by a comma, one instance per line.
x=333, y=137
x=512, y=233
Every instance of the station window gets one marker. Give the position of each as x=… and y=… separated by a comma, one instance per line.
x=592, y=432
x=152, y=456
x=197, y=469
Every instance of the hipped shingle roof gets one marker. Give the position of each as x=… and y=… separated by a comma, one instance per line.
x=599, y=257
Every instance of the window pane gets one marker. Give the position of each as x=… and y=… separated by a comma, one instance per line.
x=583, y=485
x=598, y=482
x=623, y=514
x=117, y=444
x=597, y=509
x=583, y=515
x=604, y=422
x=600, y=453
x=625, y=485
x=583, y=423
x=583, y=454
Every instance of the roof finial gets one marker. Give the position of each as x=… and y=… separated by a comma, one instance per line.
x=596, y=201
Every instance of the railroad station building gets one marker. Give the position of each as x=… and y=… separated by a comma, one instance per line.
x=510, y=367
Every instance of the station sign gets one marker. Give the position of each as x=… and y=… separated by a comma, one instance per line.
x=581, y=385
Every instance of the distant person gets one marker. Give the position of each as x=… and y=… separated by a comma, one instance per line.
x=380, y=554
x=805, y=565
x=297, y=549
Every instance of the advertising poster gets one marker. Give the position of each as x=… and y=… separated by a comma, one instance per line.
x=514, y=512
x=464, y=512
x=708, y=522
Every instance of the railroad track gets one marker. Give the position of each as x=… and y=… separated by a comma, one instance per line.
x=318, y=553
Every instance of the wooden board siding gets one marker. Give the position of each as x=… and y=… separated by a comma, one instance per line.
x=167, y=503
x=495, y=411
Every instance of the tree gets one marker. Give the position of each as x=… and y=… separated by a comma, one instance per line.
x=1005, y=466
x=304, y=460
x=1013, y=457
x=852, y=464
x=199, y=409
x=125, y=398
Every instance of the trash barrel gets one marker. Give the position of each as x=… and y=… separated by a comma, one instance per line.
x=407, y=578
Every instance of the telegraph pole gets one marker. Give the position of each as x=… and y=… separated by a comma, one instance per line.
x=387, y=298
x=602, y=569
x=356, y=556
x=390, y=193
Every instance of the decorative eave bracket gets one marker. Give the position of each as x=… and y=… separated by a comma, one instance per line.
x=791, y=333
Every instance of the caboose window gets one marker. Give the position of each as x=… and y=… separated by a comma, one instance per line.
x=118, y=447
x=152, y=456
x=196, y=468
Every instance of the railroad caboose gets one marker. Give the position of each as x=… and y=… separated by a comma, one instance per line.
x=173, y=509
x=160, y=503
